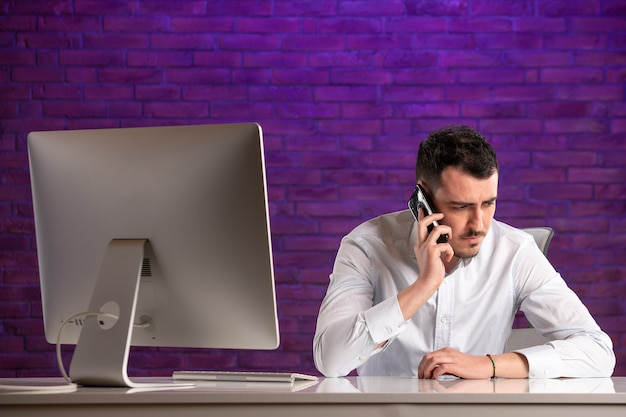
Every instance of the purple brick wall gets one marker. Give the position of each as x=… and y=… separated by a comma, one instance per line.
x=345, y=91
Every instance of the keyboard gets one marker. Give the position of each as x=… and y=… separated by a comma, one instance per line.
x=242, y=376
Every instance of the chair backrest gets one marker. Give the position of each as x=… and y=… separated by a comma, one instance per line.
x=542, y=235
x=521, y=338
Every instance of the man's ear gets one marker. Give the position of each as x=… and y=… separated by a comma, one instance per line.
x=425, y=187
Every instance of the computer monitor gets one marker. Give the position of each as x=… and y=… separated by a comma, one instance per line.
x=162, y=231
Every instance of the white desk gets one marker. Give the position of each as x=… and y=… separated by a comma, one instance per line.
x=363, y=397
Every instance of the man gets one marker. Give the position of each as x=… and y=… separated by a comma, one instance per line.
x=400, y=303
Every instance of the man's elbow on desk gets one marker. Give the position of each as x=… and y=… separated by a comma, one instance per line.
x=324, y=362
x=334, y=364
x=328, y=368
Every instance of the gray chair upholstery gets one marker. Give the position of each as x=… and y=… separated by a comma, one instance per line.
x=542, y=235
x=521, y=338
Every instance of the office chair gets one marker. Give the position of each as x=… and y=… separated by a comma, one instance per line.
x=521, y=338
x=542, y=235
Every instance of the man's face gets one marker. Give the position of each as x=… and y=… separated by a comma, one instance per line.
x=469, y=205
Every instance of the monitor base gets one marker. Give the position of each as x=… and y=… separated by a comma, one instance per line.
x=101, y=354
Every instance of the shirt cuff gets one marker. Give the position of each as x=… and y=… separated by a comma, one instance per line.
x=543, y=361
x=384, y=320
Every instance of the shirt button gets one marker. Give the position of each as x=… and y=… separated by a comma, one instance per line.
x=361, y=358
x=445, y=280
x=444, y=319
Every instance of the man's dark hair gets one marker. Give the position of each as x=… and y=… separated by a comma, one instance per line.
x=458, y=146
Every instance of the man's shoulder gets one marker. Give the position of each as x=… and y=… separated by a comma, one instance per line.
x=505, y=231
x=392, y=226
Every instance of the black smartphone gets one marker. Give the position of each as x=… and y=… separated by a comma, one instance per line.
x=420, y=200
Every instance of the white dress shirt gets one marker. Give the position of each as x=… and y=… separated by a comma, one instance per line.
x=472, y=311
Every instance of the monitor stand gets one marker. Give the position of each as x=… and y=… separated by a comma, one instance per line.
x=101, y=354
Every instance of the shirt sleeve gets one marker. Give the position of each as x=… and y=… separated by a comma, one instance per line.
x=577, y=346
x=350, y=327
x=574, y=357
x=384, y=321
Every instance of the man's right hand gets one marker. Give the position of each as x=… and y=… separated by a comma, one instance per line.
x=431, y=262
